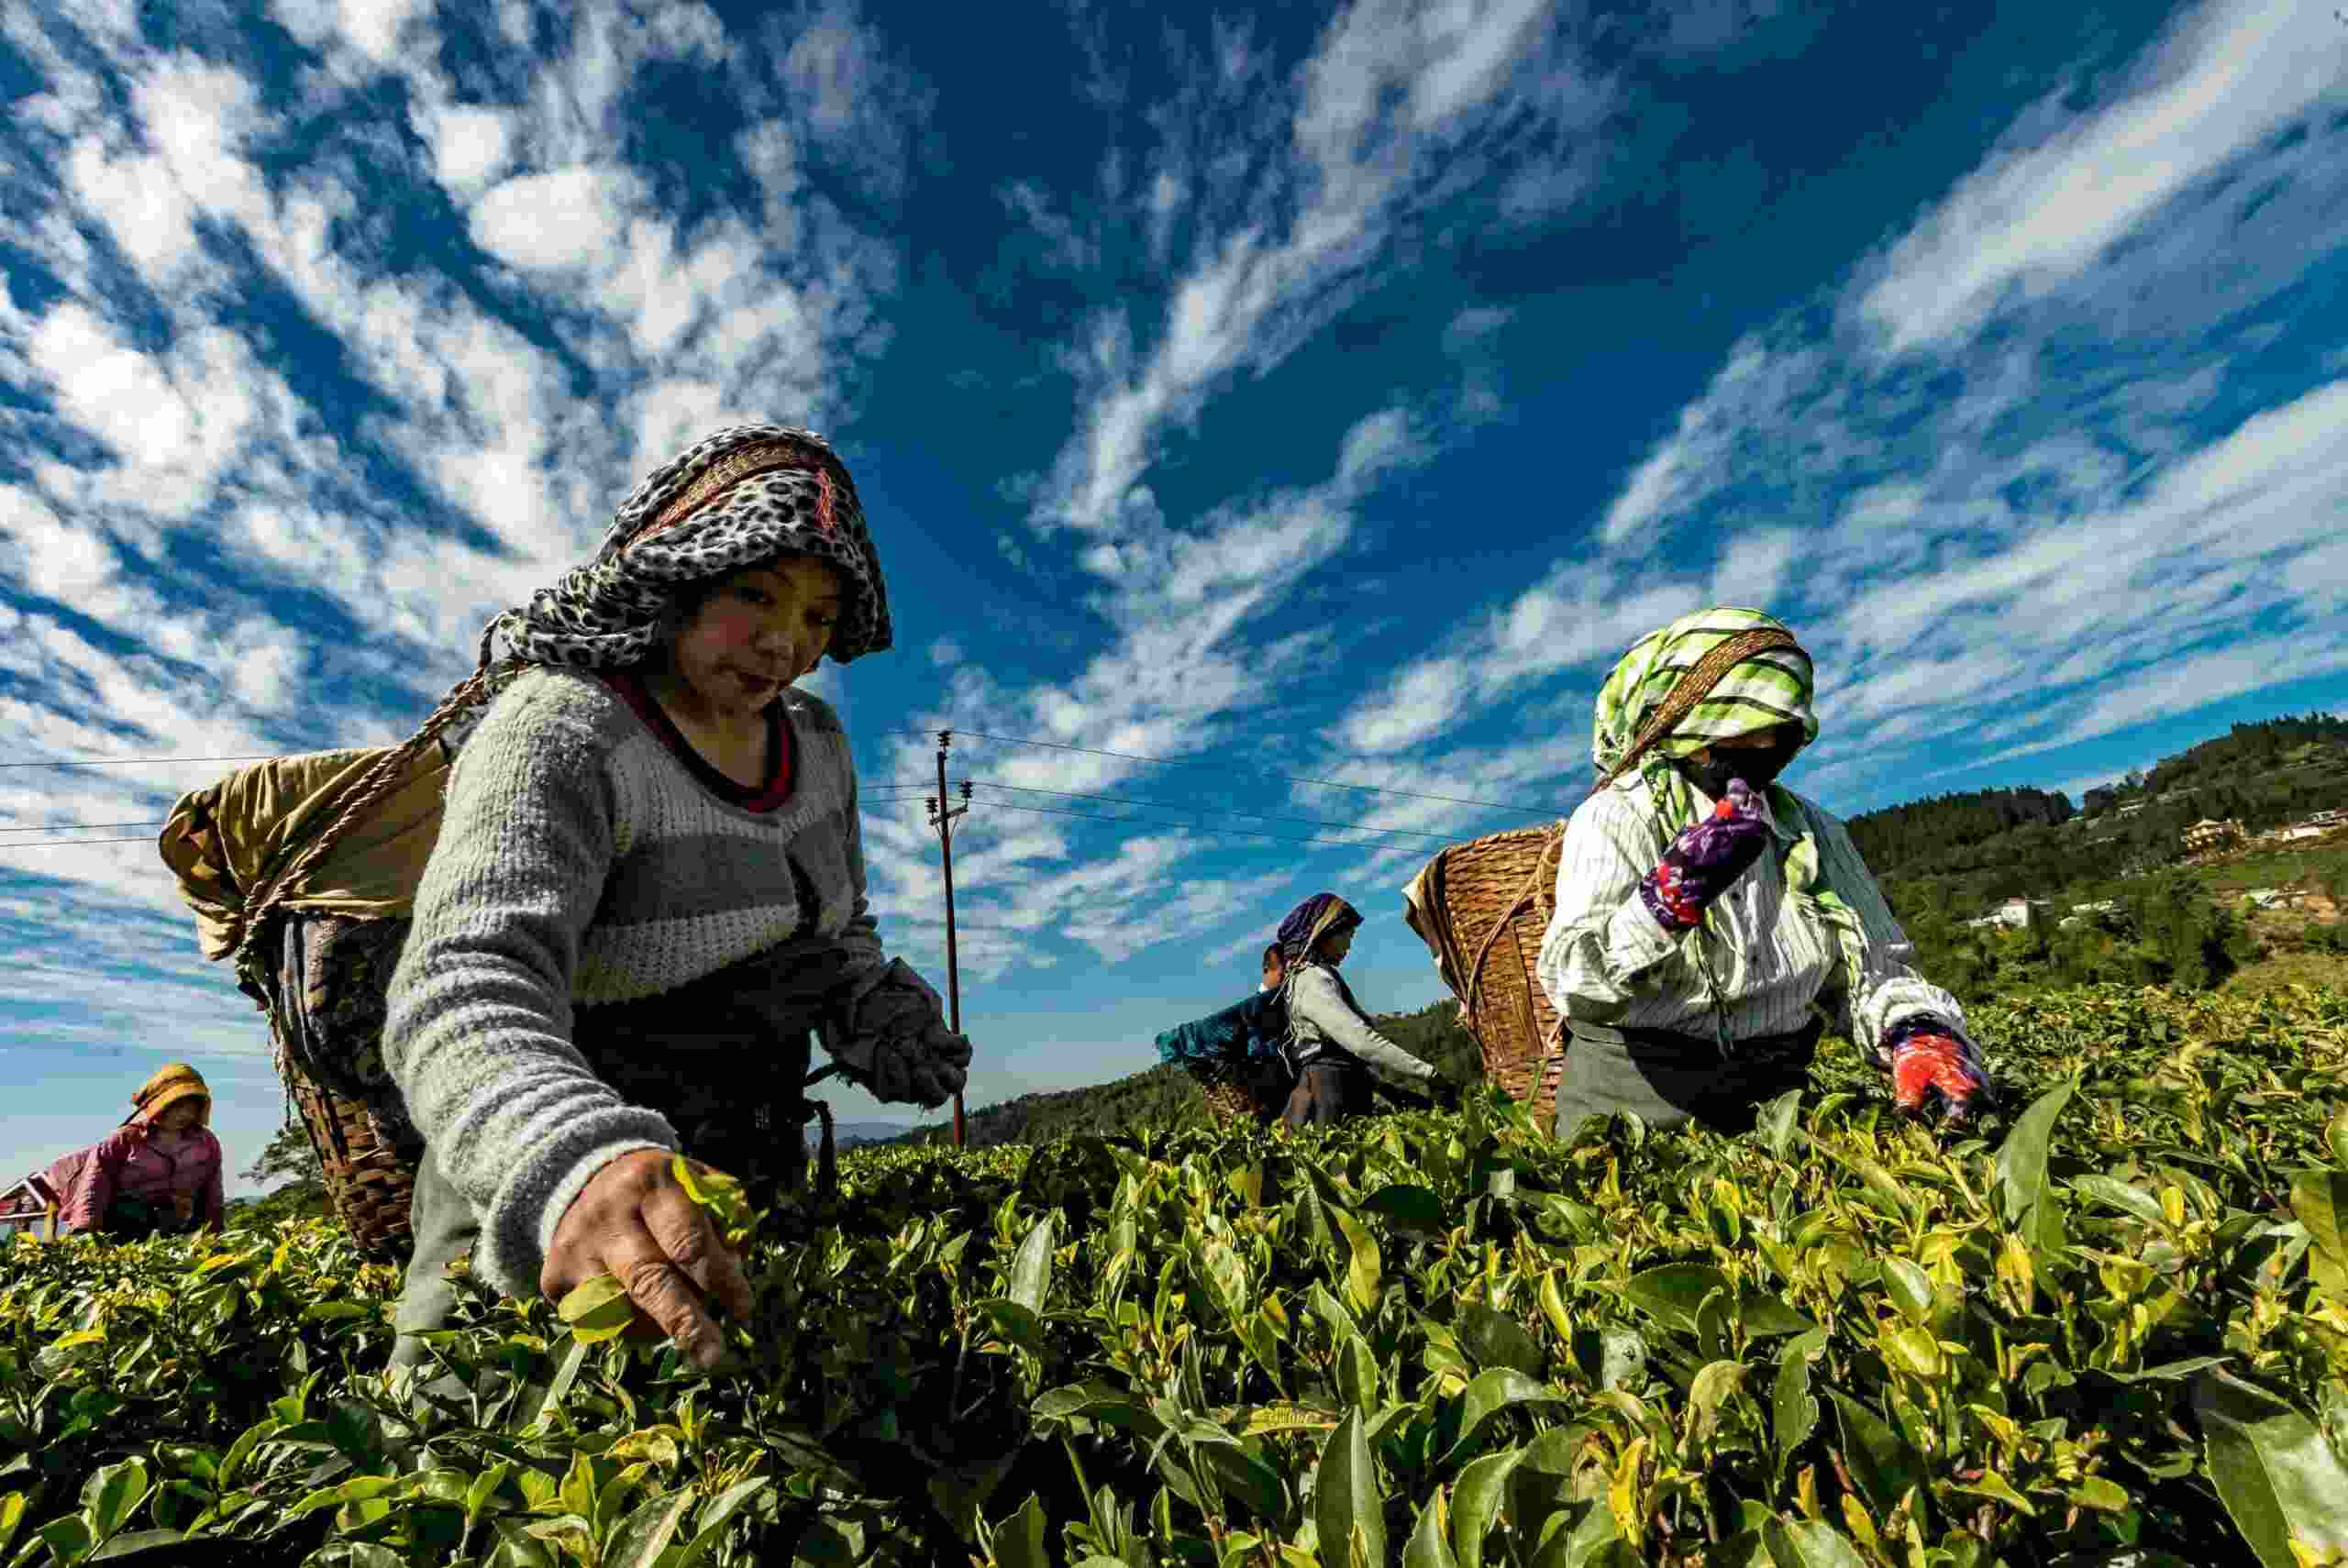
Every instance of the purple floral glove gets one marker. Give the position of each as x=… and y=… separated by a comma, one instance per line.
x=1705, y=860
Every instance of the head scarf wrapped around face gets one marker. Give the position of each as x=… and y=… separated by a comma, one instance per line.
x=1306, y=924
x=1769, y=688
x=739, y=497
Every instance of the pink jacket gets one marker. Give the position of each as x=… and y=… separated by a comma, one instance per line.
x=127, y=1164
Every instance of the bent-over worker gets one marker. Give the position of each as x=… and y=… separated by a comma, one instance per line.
x=1709, y=921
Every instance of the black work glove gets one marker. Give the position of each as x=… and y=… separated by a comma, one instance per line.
x=889, y=1034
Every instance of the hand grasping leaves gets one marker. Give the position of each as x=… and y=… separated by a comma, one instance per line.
x=651, y=1242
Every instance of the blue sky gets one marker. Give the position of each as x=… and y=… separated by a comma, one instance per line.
x=1332, y=393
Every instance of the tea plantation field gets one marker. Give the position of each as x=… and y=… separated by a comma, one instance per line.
x=2111, y=1328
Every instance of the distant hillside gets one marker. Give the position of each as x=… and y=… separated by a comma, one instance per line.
x=1959, y=854
x=847, y=1134
x=1166, y=1096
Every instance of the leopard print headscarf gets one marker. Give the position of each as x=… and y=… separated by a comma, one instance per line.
x=744, y=494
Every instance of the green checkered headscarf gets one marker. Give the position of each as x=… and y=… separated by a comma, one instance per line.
x=1769, y=688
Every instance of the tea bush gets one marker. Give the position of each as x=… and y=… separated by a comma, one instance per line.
x=2110, y=1327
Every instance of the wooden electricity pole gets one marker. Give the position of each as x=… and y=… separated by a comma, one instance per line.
x=942, y=820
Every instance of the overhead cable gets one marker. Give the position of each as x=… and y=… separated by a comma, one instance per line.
x=1198, y=827
x=1545, y=812
x=1222, y=811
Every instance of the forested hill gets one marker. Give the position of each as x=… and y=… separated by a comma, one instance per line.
x=1960, y=854
x=1168, y=1096
x=1899, y=835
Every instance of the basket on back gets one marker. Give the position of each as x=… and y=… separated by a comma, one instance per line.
x=304, y=870
x=1480, y=908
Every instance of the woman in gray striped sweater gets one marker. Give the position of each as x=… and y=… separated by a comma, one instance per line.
x=1710, y=922
x=647, y=891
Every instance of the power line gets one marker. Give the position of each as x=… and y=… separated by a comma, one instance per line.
x=1231, y=767
x=46, y=843
x=45, y=827
x=142, y=761
x=1224, y=811
x=1197, y=827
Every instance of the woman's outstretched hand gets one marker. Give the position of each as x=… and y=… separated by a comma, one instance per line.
x=1933, y=1069
x=1705, y=860
x=632, y=1220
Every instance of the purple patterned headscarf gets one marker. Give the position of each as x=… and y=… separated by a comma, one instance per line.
x=1310, y=921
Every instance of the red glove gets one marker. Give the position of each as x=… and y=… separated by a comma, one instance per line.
x=1932, y=1063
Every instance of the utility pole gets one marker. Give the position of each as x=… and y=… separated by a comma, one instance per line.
x=942, y=820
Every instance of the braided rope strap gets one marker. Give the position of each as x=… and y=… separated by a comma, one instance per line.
x=378, y=782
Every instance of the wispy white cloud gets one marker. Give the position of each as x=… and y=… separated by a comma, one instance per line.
x=2062, y=190
x=2001, y=572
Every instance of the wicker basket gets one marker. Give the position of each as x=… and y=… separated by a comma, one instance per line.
x=368, y=1181
x=1482, y=907
x=1229, y=1102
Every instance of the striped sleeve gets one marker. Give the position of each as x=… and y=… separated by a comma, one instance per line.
x=1889, y=986
x=1601, y=945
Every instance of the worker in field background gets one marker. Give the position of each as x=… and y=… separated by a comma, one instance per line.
x=1332, y=1046
x=1710, y=922
x=157, y=1175
x=1235, y=1054
x=646, y=894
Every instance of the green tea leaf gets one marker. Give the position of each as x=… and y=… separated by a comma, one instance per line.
x=1347, y=1496
x=1031, y=1269
x=2277, y=1476
x=1672, y=1292
x=1880, y=1462
x=1496, y=1339
x=645, y=1534
x=140, y=1541
x=598, y=1309
x=2125, y=1197
x=1793, y=1412
x=1019, y=1539
x=1766, y=1316
x=1807, y=1543
x=1476, y=1503
x=1910, y=1290
x=1488, y=1394
x=112, y=1495
x=2319, y=1201
x=1428, y=1547
x=1776, y=1124
x=1362, y=1265
x=2021, y=1159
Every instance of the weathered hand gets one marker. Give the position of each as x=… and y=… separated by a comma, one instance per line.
x=1705, y=860
x=633, y=1222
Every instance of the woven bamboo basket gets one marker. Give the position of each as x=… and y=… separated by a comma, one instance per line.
x=368, y=1181
x=1228, y=1102
x=1482, y=907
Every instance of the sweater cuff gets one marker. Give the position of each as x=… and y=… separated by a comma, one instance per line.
x=523, y=1217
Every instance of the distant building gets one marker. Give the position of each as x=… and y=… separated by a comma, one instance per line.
x=2298, y=831
x=2337, y=817
x=2206, y=834
x=2013, y=913
x=26, y=1206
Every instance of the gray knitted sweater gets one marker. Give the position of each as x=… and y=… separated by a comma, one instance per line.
x=580, y=864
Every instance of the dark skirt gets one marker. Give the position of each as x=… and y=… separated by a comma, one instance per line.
x=1669, y=1079
x=1328, y=1091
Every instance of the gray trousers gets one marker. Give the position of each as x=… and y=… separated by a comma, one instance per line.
x=442, y=1226
x=1671, y=1079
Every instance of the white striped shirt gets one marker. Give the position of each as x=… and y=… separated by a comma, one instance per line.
x=1604, y=960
